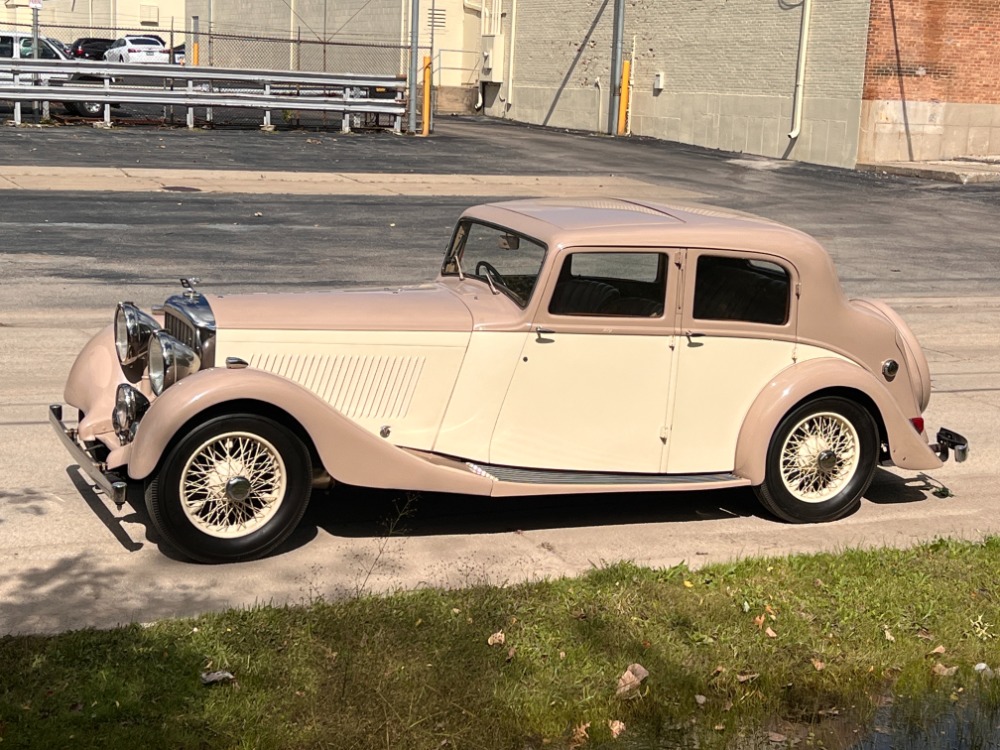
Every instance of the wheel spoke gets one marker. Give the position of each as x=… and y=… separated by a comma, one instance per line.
x=807, y=451
x=204, y=485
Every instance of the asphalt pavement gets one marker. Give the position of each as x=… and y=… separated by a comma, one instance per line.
x=90, y=217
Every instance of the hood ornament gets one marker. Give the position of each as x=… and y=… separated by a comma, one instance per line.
x=189, y=285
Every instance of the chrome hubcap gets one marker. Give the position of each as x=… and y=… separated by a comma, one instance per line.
x=238, y=489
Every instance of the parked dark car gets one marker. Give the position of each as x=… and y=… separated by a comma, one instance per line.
x=90, y=48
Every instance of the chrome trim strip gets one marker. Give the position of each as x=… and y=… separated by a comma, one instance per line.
x=112, y=487
x=547, y=476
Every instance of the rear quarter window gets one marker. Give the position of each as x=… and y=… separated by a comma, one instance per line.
x=740, y=289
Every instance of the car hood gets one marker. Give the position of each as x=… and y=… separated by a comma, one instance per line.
x=427, y=307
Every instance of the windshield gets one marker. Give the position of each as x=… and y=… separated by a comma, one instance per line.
x=506, y=262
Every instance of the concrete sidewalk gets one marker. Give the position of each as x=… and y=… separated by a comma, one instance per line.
x=139, y=180
x=963, y=171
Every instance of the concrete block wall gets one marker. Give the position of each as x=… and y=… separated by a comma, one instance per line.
x=932, y=81
x=728, y=71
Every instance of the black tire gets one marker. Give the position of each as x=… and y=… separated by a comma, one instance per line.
x=192, y=509
x=810, y=486
x=84, y=109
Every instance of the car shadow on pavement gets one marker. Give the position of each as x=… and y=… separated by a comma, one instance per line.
x=360, y=512
x=100, y=507
x=888, y=488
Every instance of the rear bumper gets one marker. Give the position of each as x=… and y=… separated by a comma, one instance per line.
x=107, y=481
x=947, y=441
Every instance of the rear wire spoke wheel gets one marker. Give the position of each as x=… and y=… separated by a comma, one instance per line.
x=233, y=488
x=820, y=461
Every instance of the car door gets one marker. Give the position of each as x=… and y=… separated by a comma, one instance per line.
x=737, y=333
x=591, y=386
x=6, y=54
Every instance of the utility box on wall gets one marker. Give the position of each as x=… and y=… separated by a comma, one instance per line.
x=491, y=68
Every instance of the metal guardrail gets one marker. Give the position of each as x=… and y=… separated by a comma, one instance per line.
x=117, y=83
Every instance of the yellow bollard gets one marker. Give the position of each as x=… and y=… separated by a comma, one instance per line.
x=427, y=96
x=194, y=53
x=623, y=100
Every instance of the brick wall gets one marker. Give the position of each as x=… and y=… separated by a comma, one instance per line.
x=934, y=50
x=932, y=81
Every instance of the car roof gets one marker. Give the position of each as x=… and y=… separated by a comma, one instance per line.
x=618, y=222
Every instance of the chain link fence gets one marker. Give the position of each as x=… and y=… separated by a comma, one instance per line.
x=209, y=49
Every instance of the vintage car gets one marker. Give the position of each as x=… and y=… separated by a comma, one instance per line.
x=564, y=347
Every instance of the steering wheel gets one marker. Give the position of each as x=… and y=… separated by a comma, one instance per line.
x=493, y=272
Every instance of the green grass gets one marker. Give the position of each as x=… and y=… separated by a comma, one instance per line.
x=414, y=670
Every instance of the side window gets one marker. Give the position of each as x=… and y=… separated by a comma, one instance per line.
x=6, y=46
x=752, y=291
x=630, y=285
x=46, y=52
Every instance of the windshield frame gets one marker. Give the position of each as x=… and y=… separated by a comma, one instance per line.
x=453, y=260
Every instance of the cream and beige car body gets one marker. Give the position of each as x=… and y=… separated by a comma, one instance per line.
x=651, y=348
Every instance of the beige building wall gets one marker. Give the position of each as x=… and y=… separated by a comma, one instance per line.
x=68, y=20
x=727, y=69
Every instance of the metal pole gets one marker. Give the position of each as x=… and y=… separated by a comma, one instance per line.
x=414, y=43
x=616, y=66
x=34, y=51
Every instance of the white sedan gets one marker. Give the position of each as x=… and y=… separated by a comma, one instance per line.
x=137, y=49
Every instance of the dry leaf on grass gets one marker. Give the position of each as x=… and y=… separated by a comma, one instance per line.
x=630, y=680
x=701, y=700
x=937, y=650
x=820, y=666
x=770, y=633
x=776, y=737
x=616, y=727
x=889, y=636
x=497, y=639
x=579, y=737
x=942, y=671
x=747, y=676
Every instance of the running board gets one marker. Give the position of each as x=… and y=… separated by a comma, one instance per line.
x=517, y=481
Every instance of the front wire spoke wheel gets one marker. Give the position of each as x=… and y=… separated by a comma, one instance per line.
x=232, y=484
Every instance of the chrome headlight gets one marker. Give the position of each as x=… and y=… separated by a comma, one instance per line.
x=169, y=361
x=130, y=405
x=133, y=329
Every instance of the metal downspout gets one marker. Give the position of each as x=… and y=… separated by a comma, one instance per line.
x=800, y=72
x=513, y=38
x=616, y=66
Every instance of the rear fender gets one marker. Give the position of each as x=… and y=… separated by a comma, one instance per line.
x=907, y=448
x=348, y=452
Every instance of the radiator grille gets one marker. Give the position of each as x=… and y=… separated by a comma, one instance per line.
x=359, y=387
x=179, y=329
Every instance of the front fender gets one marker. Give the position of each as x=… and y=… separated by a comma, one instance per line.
x=908, y=448
x=348, y=452
x=92, y=383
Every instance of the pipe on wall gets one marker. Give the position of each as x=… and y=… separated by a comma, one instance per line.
x=800, y=71
x=513, y=38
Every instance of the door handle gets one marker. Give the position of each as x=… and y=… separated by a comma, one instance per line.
x=541, y=333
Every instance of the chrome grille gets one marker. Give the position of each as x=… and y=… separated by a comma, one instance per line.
x=180, y=330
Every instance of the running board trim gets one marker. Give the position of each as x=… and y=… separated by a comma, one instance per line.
x=547, y=476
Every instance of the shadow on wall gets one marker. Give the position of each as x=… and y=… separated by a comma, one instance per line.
x=576, y=61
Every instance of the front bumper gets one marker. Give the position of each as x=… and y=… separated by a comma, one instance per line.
x=947, y=441
x=107, y=481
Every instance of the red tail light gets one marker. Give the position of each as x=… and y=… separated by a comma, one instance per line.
x=918, y=424
x=130, y=49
